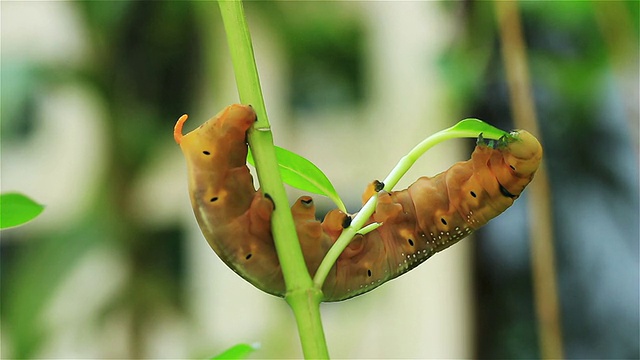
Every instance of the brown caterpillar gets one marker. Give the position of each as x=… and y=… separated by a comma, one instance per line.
x=429, y=216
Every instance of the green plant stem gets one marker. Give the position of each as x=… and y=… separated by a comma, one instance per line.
x=301, y=296
x=389, y=183
x=306, y=310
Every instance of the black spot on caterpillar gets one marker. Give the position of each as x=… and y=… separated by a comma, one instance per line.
x=505, y=192
x=429, y=216
x=270, y=199
x=346, y=222
x=378, y=185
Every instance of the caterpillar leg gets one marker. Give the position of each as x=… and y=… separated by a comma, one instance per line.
x=371, y=189
x=386, y=208
x=260, y=214
x=316, y=238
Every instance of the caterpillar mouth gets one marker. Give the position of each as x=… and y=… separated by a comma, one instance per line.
x=506, y=193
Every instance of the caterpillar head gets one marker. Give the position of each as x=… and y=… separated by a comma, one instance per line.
x=520, y=159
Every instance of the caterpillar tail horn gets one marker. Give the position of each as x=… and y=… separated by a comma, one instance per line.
x=177, y=130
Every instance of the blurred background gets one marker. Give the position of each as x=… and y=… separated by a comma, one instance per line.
x=116, y=267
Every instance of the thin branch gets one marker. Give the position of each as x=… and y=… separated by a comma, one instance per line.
x=541, y=234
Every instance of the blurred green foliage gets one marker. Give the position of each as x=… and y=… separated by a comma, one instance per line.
x=326, y=68
x=240, y=351
x=146, y=61
x=134, y=51
x=590, y=144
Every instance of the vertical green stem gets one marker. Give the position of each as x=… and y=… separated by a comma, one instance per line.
x=301, y=296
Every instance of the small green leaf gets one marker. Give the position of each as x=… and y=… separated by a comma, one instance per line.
x=304, y=175
x=478, y=126
x=17, y=209
x=240, y=351
x=369, y=228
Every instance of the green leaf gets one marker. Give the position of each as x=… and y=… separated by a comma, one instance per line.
x=478, y=126
x=240, y=351
x=302, y=174
x=17, y=209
